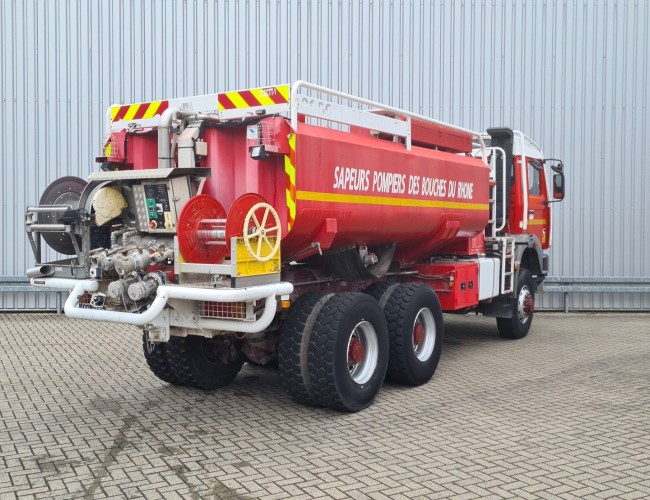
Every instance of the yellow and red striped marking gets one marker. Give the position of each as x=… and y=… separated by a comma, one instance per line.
x=138, y=111
x=290, y=176
x=265, y=96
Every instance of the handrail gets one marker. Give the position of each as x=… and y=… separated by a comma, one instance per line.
x=366, y=102
x=493, y=169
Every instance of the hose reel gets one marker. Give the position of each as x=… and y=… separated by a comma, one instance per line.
x=205, y=232
x=61, y=192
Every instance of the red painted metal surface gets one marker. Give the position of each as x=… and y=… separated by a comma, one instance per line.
x=195, y=223
x=456, y=283
x=539, y=212
x=235, y=173
x=379, y=192
x=134, y=150
x=356, y=352
x=418, y=334
x=237, y=214
x=427, y=134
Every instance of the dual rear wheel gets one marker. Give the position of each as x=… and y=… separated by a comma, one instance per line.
x=336, y=349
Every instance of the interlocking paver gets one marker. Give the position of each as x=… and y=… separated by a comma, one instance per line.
x=564, y=413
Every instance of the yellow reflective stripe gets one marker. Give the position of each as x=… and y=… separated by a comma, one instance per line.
x=290, y=169
x=536, y=222
x=284, y=90
x=291, y=204
x=114, y=111
x=108, y=149
x=133, y=109
x=381, y=200
x=237, y=100
x=262, y=96
x=151, y=110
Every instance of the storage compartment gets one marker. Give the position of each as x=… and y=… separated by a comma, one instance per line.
x=489, y=279
x=456, y=283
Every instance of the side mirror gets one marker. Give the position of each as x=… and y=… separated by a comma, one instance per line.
x=558, y=186
x=558, y=179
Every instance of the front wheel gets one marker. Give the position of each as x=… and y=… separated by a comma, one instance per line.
x=523, y=308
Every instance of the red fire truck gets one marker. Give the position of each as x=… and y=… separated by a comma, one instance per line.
x=298, y=226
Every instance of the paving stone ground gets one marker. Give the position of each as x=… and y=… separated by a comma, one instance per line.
x=564, y=413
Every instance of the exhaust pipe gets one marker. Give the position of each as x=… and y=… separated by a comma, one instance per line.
x=164, y=129
x=40, y=271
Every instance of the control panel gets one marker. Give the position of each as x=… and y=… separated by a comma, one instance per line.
x=158, y=203
x=159, y=213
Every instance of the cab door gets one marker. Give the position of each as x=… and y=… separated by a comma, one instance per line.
x=539, y=213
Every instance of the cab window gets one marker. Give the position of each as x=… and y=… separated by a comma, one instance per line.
x=534, y=180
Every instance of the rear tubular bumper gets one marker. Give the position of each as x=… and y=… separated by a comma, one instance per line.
x=268, y=293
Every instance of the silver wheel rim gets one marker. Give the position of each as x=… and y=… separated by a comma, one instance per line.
x=363, y=369
x=524, y=294
x=424, y=348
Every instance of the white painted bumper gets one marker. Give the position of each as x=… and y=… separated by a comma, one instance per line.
x=165, y=292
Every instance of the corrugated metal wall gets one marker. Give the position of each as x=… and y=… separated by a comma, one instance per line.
x=572, y=74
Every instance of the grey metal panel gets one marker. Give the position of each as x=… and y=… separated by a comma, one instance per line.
x=572, y=74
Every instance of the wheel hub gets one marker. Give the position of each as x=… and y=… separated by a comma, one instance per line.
x=424, y=334
x=529, y=304
x=525, y=304
x=362, y=352
x=418, y=334
x=356, y=352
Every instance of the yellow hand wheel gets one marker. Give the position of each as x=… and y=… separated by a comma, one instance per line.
x=261, y=225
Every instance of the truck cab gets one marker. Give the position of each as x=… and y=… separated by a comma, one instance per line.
x=527, y=185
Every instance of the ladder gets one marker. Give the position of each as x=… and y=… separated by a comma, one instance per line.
x=507, y=264
x=505, y=246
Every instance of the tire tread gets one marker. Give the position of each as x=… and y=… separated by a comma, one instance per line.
x=293, y=333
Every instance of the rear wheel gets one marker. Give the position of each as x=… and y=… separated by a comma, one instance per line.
x=348, y=352
x=415, y=327
x=380, y=291
x=204, y=363
x=294, y=346
x=157, y=358
x=523, y=307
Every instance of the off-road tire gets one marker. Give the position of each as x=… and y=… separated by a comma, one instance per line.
x=405, y=304
x=156, y=356
x=192, y=364
x=514, y=327
x=332, y=384
x=294, y=346
x=379, y=289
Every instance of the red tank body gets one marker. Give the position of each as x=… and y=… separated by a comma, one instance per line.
x=353, y=188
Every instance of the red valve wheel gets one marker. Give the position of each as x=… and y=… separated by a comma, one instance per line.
x=194, y=247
